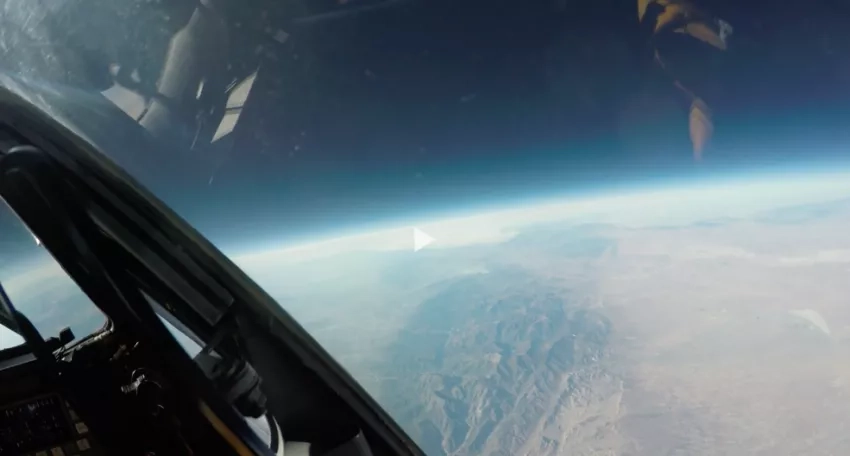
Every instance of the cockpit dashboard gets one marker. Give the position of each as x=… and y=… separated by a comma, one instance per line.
x=36, y=419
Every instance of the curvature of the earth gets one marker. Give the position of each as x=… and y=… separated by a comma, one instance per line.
x=702, y=320
x=711, y=319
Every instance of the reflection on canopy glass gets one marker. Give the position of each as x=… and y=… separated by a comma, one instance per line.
x=547, y=227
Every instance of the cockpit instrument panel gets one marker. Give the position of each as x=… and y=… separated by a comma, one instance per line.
x=42, y=425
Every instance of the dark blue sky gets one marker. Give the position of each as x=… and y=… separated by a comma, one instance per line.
x=417, y=107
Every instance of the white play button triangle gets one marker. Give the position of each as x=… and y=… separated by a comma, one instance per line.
x=420, y=239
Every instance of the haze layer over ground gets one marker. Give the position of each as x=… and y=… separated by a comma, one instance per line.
x=710, y=319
